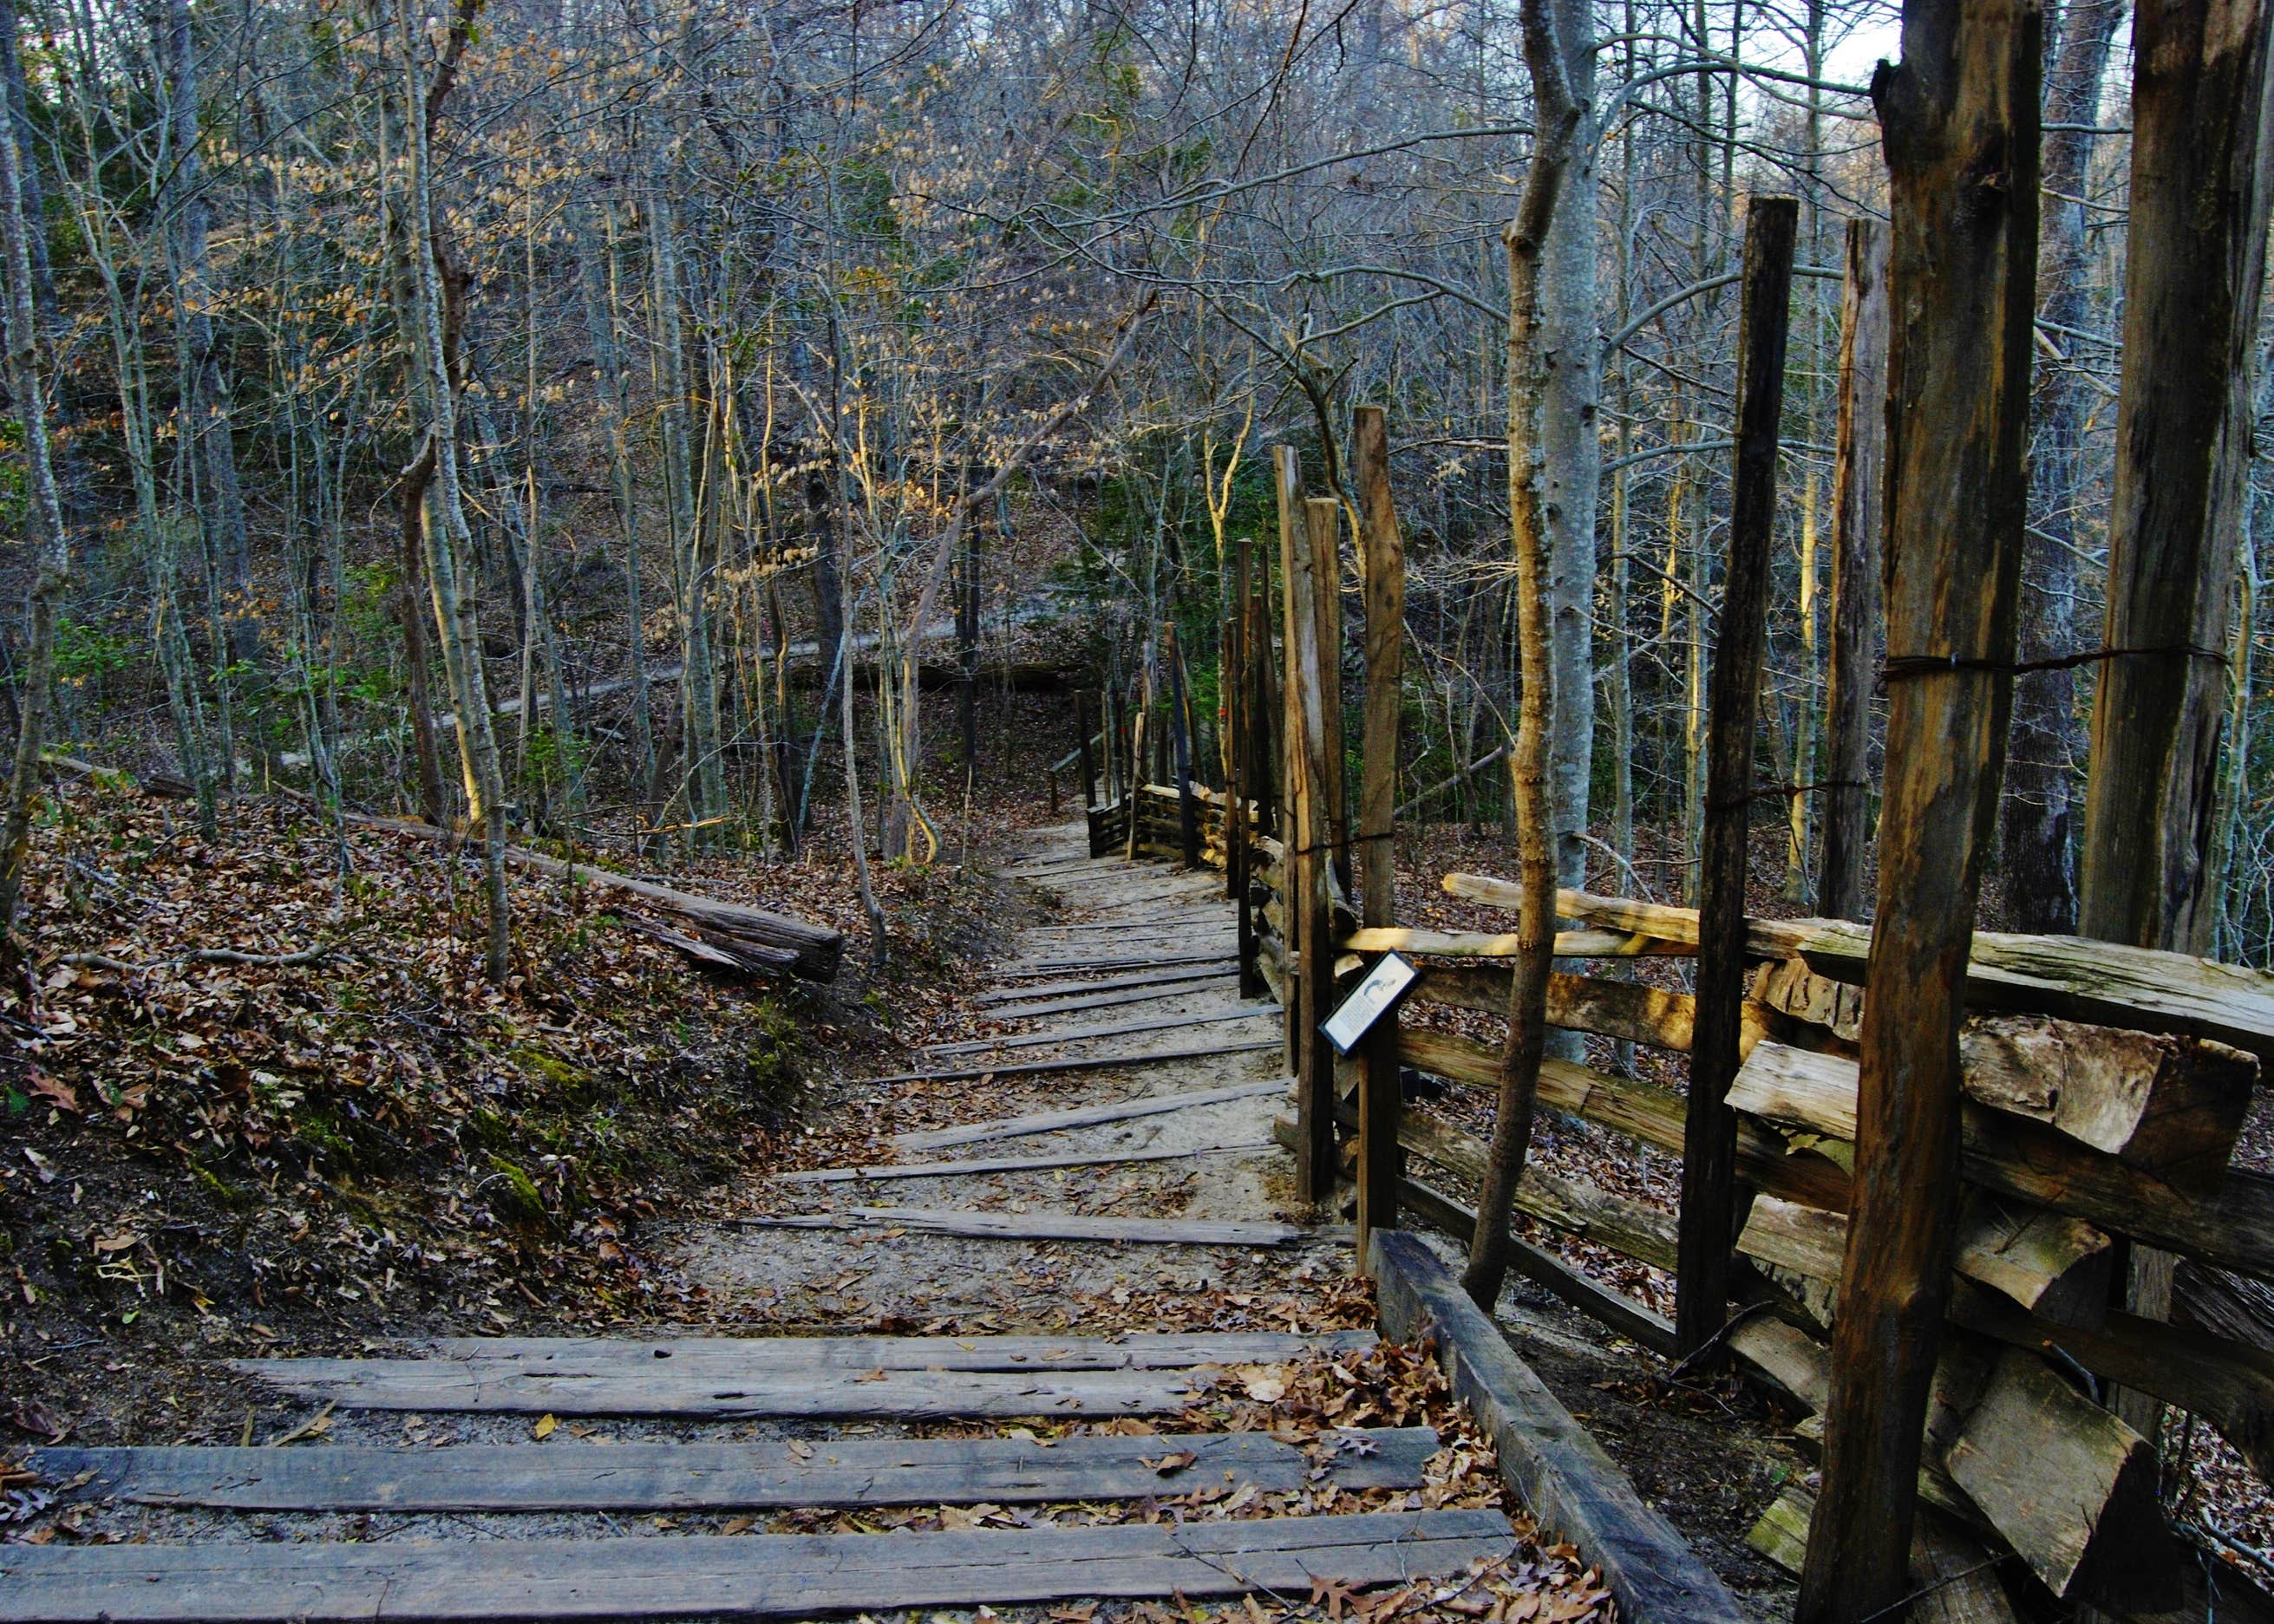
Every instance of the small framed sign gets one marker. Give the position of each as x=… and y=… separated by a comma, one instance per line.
x=1369, y=1001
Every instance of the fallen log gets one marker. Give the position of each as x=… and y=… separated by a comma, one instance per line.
x=1956, y=1579
x=735, y=930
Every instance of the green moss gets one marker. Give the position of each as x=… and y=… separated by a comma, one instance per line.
x=513, y=1195
x=229, y=1195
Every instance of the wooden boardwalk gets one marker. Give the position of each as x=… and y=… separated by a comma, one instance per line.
x=1131, y=993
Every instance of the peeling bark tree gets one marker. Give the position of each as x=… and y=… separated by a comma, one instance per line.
x=1558, y=117
x=1960, y=116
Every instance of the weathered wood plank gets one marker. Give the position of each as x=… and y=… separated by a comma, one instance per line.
x=1165, y=978
x=702, y=1475
x=1059, y=1227
x=1037, y=1039
x=1059, y=966
x=2232, y=1226
x=1560, y=1472
x=1084, y=1116
x=1484, y=944
x=1010, y=1010
x=415, y=1582
x=1078, y=1063
x=451, y=1385
x=885, y=1171
x=2056, y=1266
x=1132, y=1351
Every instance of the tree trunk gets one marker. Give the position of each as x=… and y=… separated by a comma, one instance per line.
x=1531, y=361
x=28, y=384
x=2040, y=893
x=448, y=541
x=1960, y=116
x=1858, y=470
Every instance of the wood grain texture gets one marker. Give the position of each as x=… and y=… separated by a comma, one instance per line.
x=1859, y=467
x=1560, y=1473
x=772, y=1575
x=1380, y=1092
x=1709, y=1156
x=1081, y=1114
x=701, y=1476
x=1059, y=1227
x=1961, y=104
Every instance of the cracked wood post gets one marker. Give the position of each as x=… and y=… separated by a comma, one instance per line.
x=1088, y=764
x=1227, y=662
x=1709, y=1142
x=1858, y=468
x=1239, y=784
x=2192, y=283
x=1960, y=116
x=1380, y=1096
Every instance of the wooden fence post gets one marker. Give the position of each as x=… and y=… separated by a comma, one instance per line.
x=1088, y=764
x=1381, y=1094
x=1859, y=467
x=1189, y=823
x=1258, y=777
x=1294, y=577
x=1962, y=271
x=1138, y=776
x=1227, y=694
x=1709, y=1141
x=1311, y=894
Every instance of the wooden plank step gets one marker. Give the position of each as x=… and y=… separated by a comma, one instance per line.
x=1079, y=1035
x=979, y=1225
x=1010, y=1164
x=714, y=1476
x=1165, y=978
x=460, y=1384
x=771, y=1575
x=1079, y=1063
x=1056, y=966
x=1197, y=988
x=1084, y=1116
x=1137, y=1350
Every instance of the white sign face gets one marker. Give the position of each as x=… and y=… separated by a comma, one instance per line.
x=1369, y=1002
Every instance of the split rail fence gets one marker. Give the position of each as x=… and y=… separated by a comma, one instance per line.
x=2106, y=1089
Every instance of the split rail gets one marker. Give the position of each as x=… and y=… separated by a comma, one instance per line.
x=2106, y=1089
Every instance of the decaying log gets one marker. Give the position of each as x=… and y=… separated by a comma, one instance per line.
x=2056, y=1266
x=741, y=936
x=1954, y=1578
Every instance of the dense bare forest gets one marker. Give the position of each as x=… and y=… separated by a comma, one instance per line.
x=643, y=391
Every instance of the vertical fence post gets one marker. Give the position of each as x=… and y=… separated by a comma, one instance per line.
x=1259, y=706
x=1227, y=695
x=1308, y=892
x=1180, y=731
x=1380, y=1098
x=1294, y=577
x=1088, y=763
x=1709, y=1143
x=1135, y=799
x=1859, y=456
x=1963, y=269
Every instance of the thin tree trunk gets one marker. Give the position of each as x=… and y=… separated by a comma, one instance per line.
x=27, y=383
x=448, y=541
x=1531, y=361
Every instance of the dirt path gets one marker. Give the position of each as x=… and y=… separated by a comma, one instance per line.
x=1109, y=910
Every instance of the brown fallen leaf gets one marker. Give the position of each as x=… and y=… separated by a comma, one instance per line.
x=57, y=1092
x=1169, y=1465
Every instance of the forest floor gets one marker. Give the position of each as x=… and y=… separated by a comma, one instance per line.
x=204, y=1160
